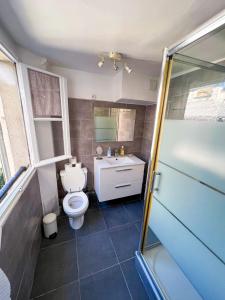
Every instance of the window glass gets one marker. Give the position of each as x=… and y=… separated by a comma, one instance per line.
x=13, y=144
x=53, y=132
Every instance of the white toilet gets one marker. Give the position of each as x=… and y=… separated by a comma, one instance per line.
x=75, y=203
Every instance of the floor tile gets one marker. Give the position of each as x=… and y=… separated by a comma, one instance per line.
x=111, y=203
x=93, y=222
x=108, y=284
x=133, y=280
x=65, y=233
x=95, y=252
x=134, y=210
x=138, y=225
x=115, y=216
x=125, y=240
x=132, y=198
x=66, y=292
x=56, y=266
x=93, y=200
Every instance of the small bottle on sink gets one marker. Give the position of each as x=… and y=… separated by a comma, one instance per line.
x=122, y=151
x=109, y=152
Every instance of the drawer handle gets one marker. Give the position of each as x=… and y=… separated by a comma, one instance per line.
x=121, y=170
x=121, y=186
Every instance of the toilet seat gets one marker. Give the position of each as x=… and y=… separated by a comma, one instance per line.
x=80, y=201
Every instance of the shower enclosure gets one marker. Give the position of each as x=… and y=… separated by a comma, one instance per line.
x=182, y=250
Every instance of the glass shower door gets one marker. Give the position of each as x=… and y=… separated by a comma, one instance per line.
x=185, y=240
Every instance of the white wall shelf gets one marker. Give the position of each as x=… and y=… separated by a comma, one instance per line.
x=48, y=119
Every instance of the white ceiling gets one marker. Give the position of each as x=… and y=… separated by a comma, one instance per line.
x=72, y=32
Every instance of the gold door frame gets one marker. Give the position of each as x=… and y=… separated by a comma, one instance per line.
x=159, y=118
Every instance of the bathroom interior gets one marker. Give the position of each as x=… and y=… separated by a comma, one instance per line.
x=111, y=155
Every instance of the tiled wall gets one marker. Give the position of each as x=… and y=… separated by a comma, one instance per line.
x=180, y=87
x=83, y=145
x=148, y=131
x=21, y=235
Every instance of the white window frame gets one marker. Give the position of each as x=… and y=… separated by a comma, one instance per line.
x=14, y=193
x=22, y=71
x=3, y=157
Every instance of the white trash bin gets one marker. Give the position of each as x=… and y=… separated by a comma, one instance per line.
x=50, y=226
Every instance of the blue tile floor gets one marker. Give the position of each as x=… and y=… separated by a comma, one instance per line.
x=97, y=261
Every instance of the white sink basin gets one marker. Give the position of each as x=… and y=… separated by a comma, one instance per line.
x=116, y=162
x=119, y=160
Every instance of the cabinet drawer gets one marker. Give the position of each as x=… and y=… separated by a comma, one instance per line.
x=117, y=175
x=123, y=189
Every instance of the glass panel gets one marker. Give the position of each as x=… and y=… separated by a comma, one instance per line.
x=197, y=91
x=49, y=139
x=45, y=94
x=210, y=48
x=185, y=244
x=114, y=124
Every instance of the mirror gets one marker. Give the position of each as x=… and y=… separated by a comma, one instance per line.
x=114, y=124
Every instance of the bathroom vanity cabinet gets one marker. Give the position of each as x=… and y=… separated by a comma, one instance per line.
x=118, y=177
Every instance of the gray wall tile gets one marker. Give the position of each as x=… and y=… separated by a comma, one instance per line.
x=21, y=236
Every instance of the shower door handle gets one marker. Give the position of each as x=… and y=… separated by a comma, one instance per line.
x=155, y=181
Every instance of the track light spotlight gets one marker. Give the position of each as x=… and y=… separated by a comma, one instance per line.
x=116, y=68
x=101, y=62
x=127, y=68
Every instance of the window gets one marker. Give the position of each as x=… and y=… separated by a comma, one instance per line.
x=13, y=144
x=45, y=104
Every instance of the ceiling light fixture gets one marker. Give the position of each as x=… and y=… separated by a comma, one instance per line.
x=116, y=59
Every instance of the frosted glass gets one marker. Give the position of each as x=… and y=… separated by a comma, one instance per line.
x=197, y=149
x=105, y=122
x=195, y=205
x=105, y=135
x=167, y=272
x=203, y=269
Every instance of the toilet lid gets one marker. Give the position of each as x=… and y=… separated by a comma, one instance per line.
x=74, y=179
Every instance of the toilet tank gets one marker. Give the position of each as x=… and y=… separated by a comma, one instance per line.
x=73, y=178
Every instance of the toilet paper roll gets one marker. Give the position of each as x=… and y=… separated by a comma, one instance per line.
x=73, y=160
x=78, y=165
x=67, y=166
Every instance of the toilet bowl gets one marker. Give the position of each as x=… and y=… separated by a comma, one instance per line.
x=75, y=206
x=75, y=203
